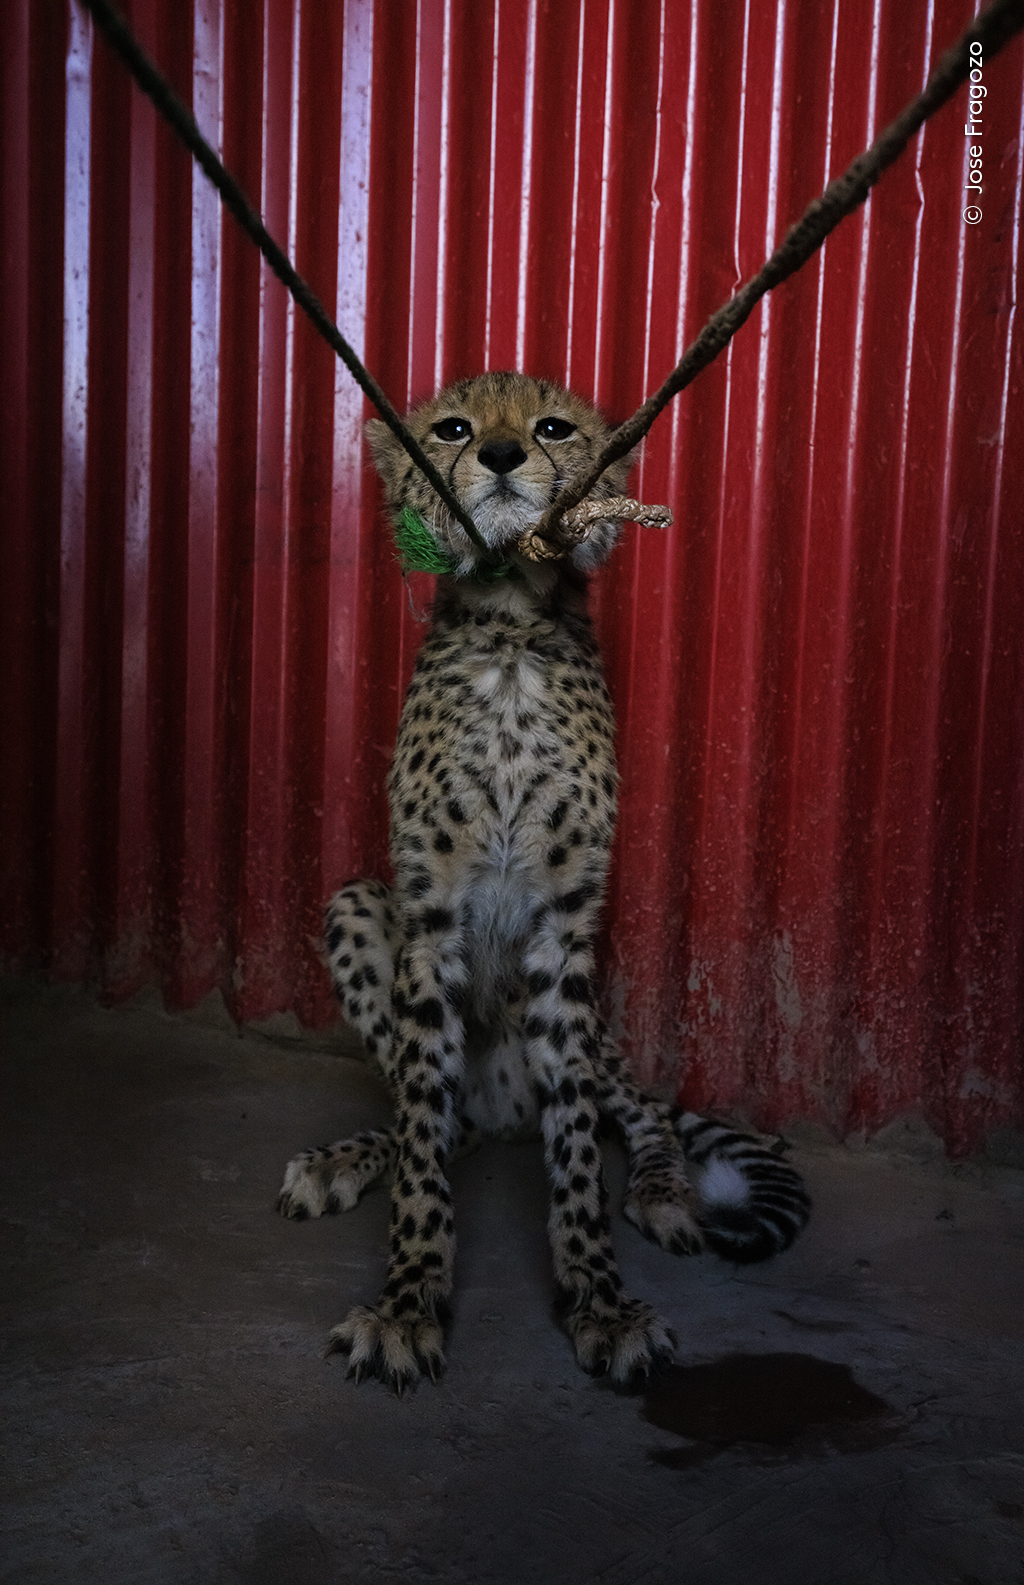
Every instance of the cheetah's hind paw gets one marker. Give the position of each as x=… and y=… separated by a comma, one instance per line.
x=396, y=1351
x=333, y=1177
x=662, y=1205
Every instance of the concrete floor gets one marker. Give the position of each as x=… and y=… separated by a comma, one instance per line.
x=169, y=1415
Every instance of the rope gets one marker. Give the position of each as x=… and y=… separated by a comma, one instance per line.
x=992, y=29
x=159, y=90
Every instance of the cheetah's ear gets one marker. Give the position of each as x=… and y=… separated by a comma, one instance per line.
x=386, y=449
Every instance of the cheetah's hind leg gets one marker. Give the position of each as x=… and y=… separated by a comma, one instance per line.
x=660, y=1200
x=694, y=1182
x=333, y=1177
x=359, y=948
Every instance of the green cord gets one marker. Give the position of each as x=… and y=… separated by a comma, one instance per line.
x=418, y=551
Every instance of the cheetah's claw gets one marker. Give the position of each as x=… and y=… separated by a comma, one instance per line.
x=395, y=1351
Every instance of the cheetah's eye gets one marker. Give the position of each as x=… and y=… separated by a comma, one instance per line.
x=554, y=429
x=454, y=429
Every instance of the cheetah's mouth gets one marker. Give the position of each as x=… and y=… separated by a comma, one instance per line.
x=505, y=509
x=505, y=488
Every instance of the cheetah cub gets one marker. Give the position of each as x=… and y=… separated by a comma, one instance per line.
x=471, y=980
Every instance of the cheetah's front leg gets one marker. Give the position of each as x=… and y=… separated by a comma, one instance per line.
x=610, y=1330
x=401, y=1335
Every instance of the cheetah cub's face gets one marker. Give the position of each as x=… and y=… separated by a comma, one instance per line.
x=505, y=443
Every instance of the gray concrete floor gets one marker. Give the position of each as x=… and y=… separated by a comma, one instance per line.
x=169, y=1415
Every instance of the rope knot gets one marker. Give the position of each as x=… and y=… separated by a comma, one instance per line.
x=574, y=526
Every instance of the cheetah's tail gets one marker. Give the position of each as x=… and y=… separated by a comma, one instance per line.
x=751, y=1203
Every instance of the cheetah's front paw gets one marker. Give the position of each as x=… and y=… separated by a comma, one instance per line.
x=396, y=1351
x=627, y=1340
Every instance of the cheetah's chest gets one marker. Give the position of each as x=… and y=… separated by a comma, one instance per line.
x=511, y=740
x=504, y=735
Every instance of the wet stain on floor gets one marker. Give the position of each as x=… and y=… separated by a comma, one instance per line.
x=775, y=1404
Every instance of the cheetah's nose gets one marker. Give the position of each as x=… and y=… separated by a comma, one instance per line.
x=502, y=456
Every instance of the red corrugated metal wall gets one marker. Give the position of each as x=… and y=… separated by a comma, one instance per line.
x=818, y=902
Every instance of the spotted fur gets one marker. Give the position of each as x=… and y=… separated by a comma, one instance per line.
x=472, y=980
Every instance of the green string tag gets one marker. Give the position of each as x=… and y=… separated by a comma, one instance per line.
x=418, y=551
